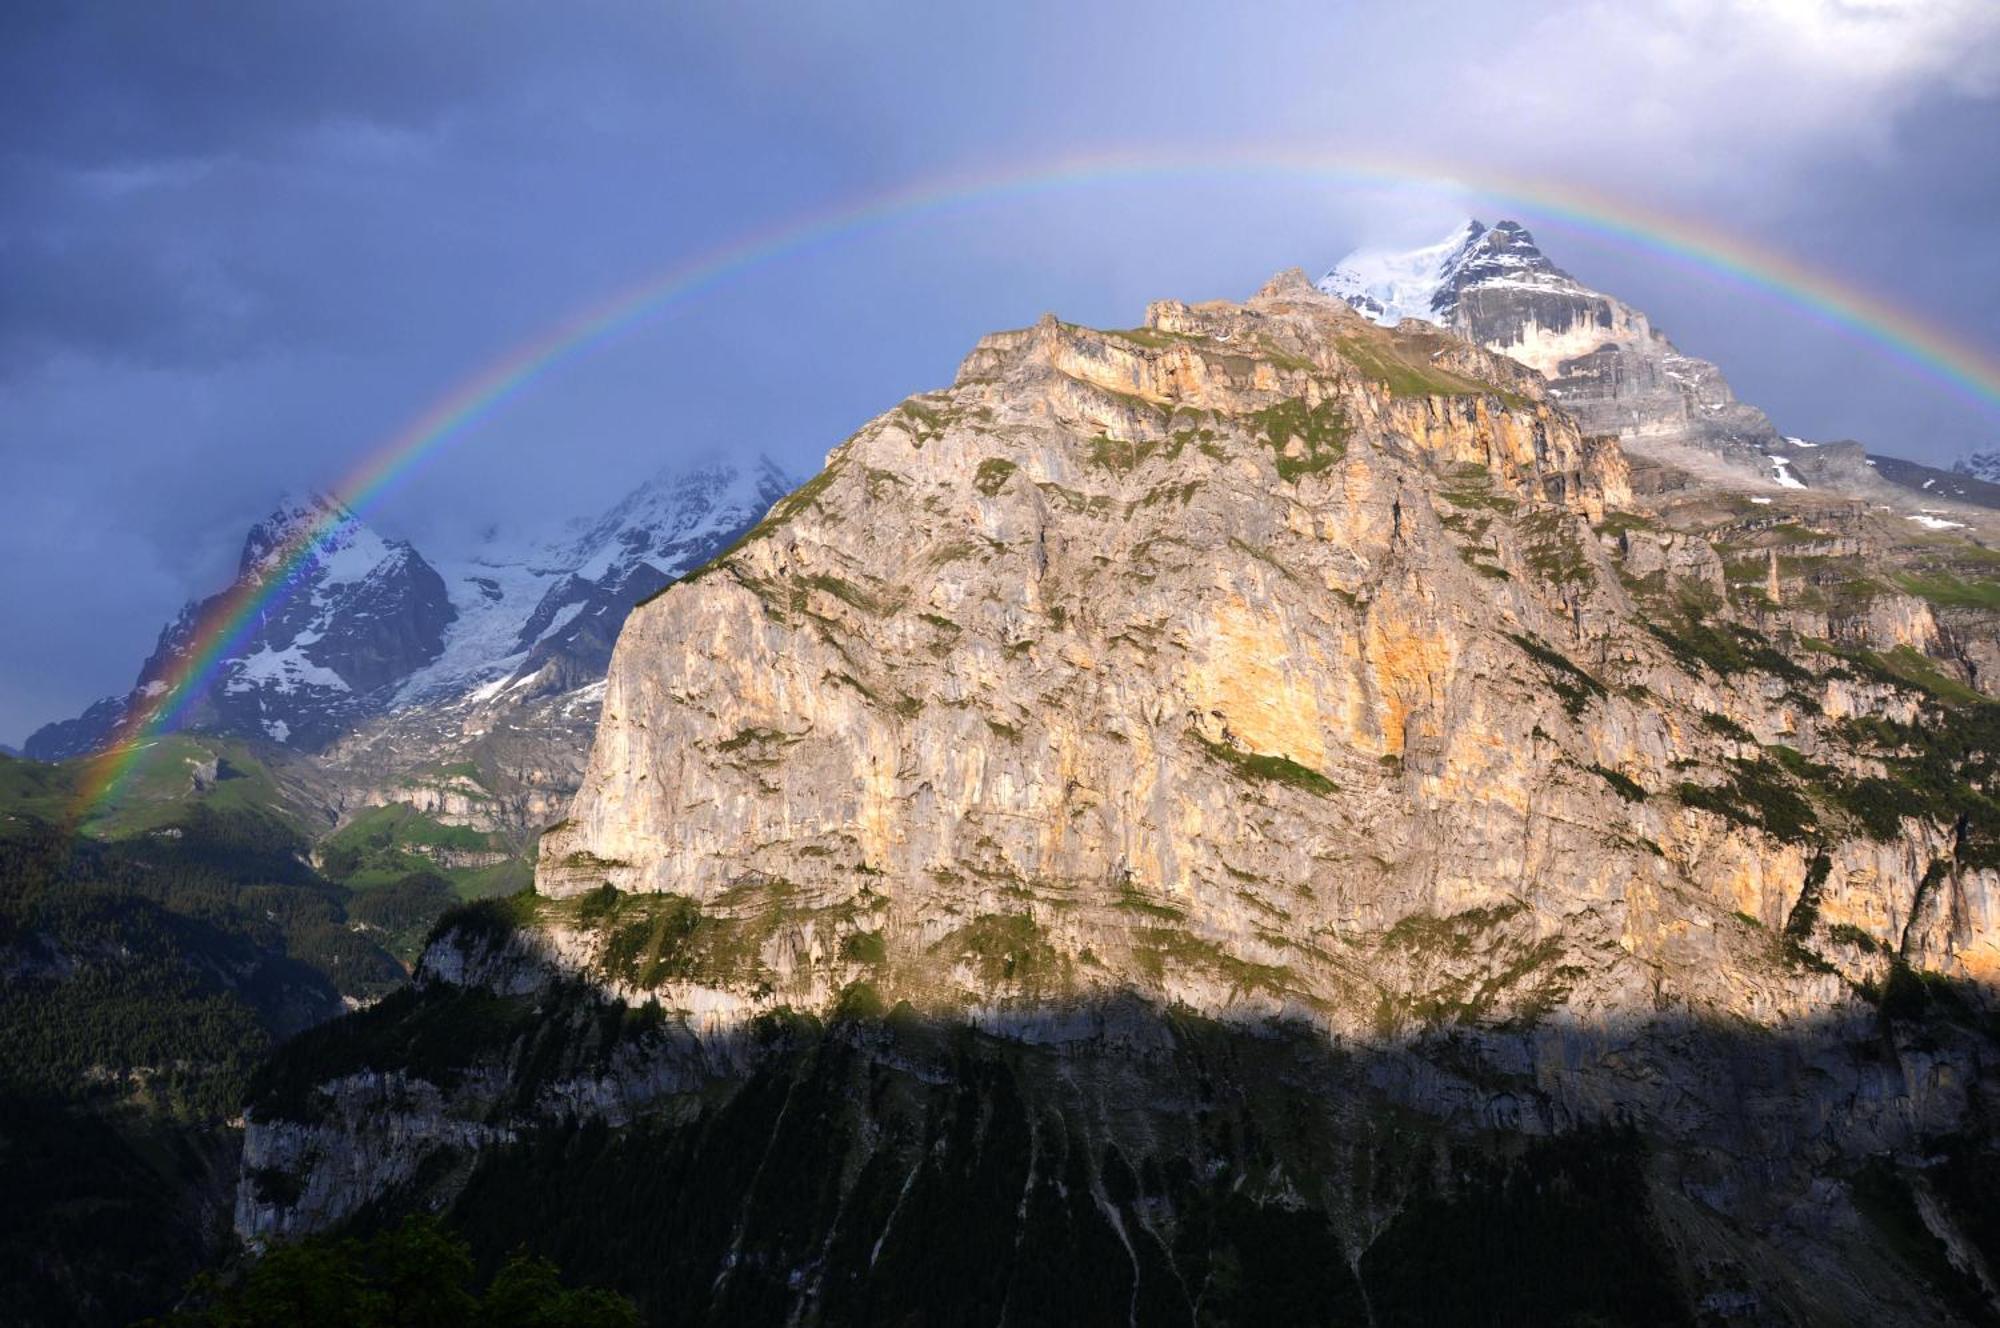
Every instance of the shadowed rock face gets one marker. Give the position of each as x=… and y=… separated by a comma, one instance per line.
x=1112, y=1161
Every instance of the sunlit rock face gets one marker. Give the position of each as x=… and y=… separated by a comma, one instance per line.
x=1259, y=659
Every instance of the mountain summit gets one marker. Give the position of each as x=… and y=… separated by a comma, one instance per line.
x=354, y=615
x=1426, y=283
x=1605, y=361
x=366, y=626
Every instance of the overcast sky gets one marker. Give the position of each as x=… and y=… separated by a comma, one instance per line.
x=242, y=244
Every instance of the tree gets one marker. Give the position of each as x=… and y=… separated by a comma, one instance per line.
x=417, y=1275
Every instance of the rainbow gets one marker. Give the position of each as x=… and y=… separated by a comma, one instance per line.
x=1932, y=350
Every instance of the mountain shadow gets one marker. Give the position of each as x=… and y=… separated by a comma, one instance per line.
x=1120, y=1162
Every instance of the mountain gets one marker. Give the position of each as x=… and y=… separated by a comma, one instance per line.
x=1605, y=362
x=1249, y=819
x=357, y=616
x=375, y=638
x=551, y=612
x=1982, y=466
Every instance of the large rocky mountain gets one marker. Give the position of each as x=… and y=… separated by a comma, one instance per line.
x=356, y=616
x=1605, y=361
x=1248, y=819
x=468, y=690
x=1984, y=466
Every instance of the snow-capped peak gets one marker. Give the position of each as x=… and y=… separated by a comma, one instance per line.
x=1980, y=465
x=517, y=606
x=672, y=509
x=363, y=624
x=1428, y=283
x=1390, y=285
x=344, y=549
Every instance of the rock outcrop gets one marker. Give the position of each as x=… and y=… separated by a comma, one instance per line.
x=1217, y=652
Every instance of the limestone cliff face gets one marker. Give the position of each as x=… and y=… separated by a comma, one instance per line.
x=1259, y=659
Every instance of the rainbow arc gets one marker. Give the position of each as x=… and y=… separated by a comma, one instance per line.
x=1929, y=348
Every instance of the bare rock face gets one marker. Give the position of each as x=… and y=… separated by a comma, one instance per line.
x=1259, y=659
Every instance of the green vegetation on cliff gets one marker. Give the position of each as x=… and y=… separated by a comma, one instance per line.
x=1275, y=769
x=146, y=977
x=1320, y=432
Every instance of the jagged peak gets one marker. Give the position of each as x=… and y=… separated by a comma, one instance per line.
x=1505, y=249
x=292, y=517
x=1390, y=285
x=1290, y=282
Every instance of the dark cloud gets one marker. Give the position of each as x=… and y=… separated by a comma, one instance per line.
x=242, y=245
x=102, y=85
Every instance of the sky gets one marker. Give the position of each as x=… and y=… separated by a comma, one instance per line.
x=243, y=245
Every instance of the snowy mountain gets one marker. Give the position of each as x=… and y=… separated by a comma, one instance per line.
x=346, y=614
x=1605, y=361
x=543, y=619
x=366, y=627
x=1983, y=466
x=1430, y=283
x=1391, y=286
